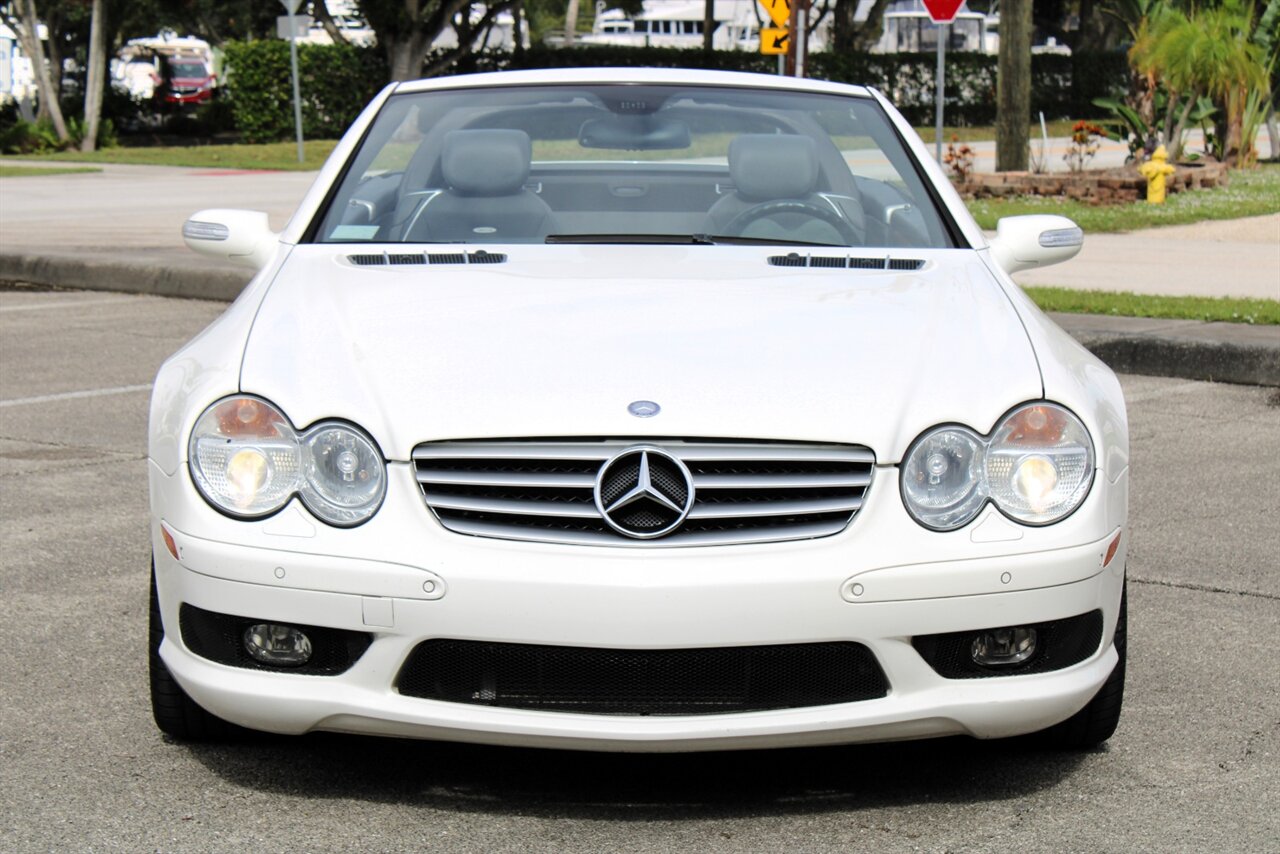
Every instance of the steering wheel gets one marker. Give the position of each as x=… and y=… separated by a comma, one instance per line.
x=742, y=221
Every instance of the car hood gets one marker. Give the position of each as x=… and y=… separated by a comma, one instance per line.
x=558, y=340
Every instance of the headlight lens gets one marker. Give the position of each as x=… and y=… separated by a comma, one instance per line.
x=1037, y=466
x=942, y=480
x=345, y=474
x=1039, y=463
x=247, y=460
x=245, y=457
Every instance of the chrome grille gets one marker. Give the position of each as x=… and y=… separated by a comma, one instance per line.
x=545, y=491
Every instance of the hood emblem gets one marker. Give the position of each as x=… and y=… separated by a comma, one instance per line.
x=643, y=408
x=644, y=492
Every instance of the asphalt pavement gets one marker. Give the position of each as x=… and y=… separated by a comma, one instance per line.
x=1193, y=767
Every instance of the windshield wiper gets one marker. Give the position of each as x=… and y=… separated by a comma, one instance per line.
x=629, y=238
x=736, y=239
x=692, y=239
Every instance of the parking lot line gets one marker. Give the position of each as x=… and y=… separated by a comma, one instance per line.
x=72, y=395
x=66, y=304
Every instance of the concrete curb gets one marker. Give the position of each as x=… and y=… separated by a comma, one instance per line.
x=1188, y=349
x=1218, y=352
x=1165, y=356
x=191, y=281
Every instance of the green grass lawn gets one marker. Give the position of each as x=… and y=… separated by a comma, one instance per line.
x=272, y=155
x=1226, y=309
x=1252, y=192
x=7, y=171
x=987, y=133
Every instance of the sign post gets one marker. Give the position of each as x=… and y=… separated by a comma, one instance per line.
x=800, y=37
x=291, y=6
x=942, y=13
x=940, y=94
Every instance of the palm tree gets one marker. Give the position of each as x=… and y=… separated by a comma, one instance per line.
x=1209, y=52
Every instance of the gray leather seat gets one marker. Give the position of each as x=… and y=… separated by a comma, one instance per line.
x=777, y=168
x=485, y=200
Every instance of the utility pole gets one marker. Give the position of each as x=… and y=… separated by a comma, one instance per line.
x=797, y=39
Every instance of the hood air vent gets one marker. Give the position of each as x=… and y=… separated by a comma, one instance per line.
x=843, y=262
x=384, y=259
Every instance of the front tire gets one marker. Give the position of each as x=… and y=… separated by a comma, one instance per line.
x=1096, y=722
x=175, y=713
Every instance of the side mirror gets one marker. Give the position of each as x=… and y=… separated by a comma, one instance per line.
x=241, y=237
x=1026, y=242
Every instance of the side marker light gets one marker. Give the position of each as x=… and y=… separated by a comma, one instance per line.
x=169, y=542
x=1111, y=550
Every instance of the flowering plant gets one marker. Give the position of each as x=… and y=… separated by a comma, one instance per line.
x=959, y=160
x=1084, y=145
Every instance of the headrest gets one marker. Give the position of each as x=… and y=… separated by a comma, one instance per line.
x=773, y=166
x=486, y=162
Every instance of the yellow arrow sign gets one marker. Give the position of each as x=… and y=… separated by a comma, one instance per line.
x=779, y=11
x=774, y=40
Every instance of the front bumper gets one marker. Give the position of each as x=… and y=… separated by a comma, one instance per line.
x=403, y=579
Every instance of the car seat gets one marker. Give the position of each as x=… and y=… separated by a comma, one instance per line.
x=484, y=200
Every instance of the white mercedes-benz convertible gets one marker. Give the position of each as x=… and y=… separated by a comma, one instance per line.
x=638, y=410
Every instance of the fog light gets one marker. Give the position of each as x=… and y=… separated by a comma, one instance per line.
x=1004, y=646
x=281, y=646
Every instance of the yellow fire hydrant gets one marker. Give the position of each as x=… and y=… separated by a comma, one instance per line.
x=1156, y=170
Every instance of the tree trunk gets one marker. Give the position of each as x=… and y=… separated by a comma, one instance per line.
x=1174, y=140
x=571, y=23
x=708, y=24
x=406, y=57
x=842, y=26
x=449, y=60
x=1013, y=86
x=94, y=81
x=1235, y=151
x=847, y=34
x=517, y=28
x=29, y=36
x=1273, y=132
x=872, y=28
x=321, y=10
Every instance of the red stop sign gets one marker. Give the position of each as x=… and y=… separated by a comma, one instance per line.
x=943, y=11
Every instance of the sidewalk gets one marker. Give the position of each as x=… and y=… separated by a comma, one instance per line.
x=1224, y=258
x=121, y=230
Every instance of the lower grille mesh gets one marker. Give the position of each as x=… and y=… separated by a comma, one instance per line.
x=588, y=680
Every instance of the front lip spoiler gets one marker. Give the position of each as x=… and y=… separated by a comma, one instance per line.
x=291, y=705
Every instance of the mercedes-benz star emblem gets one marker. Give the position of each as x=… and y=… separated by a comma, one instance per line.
x=644, y=492
x=643, y=408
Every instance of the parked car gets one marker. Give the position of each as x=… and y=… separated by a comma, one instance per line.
x=185, y=82
x=636, y=409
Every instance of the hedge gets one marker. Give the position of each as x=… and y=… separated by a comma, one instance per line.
x=338, y=80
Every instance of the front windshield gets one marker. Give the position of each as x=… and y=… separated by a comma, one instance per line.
x=626, y=163
x=187, y=69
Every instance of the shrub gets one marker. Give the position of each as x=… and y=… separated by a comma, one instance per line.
x=336, y=82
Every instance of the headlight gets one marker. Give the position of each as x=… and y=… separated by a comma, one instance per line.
x=1039, y=463
x=247, y=460
x=1037, y=466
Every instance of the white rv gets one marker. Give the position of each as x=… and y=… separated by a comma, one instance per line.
x=679, y=23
